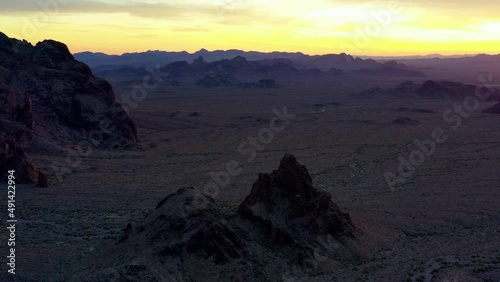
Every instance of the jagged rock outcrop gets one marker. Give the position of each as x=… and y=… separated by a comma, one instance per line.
x=47, y=98
x=285, y=203
x=44, y=84
x=199, y=62
x=283, y=215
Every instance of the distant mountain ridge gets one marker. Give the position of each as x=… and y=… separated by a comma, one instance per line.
x=458, y=68
x=430, y=89
x=302, y=61
x=243, y=73
x=421, y=57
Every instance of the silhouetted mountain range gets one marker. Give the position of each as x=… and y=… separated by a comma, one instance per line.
x=467, y=69
x=301, y=61
x=474, y=59
x=241, y=72
x=417, y=57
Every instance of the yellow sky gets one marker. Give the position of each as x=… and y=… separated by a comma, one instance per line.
x=404, y=27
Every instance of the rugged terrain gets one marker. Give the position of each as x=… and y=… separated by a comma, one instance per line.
x=284, y=218
x=439, y=223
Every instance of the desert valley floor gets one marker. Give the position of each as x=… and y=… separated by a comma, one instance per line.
x=440, y=225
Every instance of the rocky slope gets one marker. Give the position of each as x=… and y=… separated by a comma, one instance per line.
x=48, y=100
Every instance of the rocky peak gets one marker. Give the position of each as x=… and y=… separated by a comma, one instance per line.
x=4, y=40
x=56, y=51
x=199, y=61
x=286, y=199
x=293, y=179
x=239, y=59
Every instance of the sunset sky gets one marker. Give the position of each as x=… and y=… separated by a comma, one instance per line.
x=314, y=26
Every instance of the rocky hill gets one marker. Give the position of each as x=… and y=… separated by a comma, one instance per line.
x=48, y=100
x=285, y=202
x=189, y=237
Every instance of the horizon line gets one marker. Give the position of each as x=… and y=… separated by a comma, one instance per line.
x=289, y=52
